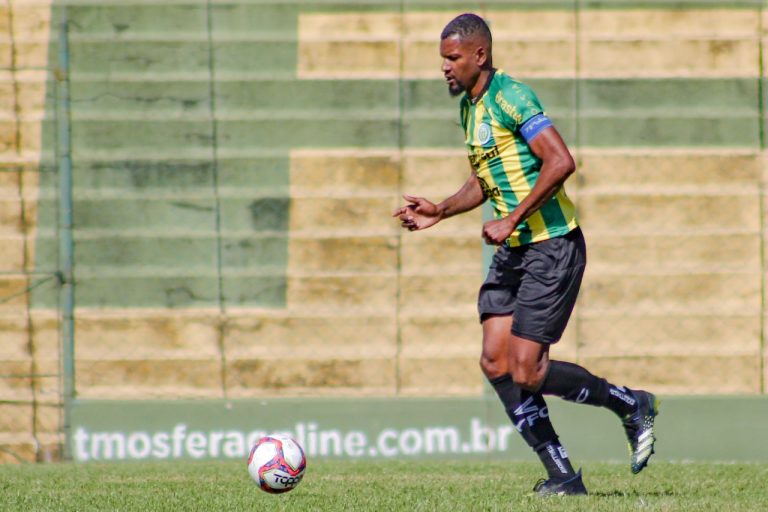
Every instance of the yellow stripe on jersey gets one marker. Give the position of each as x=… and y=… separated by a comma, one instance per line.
x=484, y=169
x=512, y=170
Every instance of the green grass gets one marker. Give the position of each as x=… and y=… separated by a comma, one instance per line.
x=379, y=486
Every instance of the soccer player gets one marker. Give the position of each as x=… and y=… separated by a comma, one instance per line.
x=519, y=162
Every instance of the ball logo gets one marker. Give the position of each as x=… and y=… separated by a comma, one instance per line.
x=287, y=480
x=484, y=133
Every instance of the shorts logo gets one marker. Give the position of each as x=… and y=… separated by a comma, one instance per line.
x=484, y=133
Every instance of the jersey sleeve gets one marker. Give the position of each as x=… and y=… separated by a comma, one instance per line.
x=517, y=105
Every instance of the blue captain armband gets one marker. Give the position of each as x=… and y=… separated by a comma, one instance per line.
x=534, y=126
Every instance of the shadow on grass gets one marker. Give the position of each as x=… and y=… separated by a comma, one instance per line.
x=633, y=494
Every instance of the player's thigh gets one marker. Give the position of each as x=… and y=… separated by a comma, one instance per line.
x=552, y=276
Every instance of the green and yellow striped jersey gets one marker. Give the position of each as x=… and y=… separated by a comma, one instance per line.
x=504, y=162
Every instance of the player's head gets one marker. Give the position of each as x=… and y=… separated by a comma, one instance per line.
x=465, y=45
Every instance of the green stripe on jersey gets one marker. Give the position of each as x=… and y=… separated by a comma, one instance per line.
x=504, y=161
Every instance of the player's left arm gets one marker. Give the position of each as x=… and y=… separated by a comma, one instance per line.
x=557, y=165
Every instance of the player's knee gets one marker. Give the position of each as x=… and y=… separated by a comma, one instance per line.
x=491, y=366
x=526, y=376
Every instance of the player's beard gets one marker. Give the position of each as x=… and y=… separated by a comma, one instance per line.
x=457, y=89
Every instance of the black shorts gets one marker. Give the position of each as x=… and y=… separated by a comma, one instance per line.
x=537, y=284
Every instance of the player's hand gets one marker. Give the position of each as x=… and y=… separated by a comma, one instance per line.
x=419, y=214
x=496, y=232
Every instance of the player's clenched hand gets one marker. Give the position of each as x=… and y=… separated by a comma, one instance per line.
x=419, y=214
x=496, y=232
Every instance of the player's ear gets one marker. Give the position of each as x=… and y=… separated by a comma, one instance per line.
x=481, y=56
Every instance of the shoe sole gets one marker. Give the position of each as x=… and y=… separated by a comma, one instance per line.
x=654, y=412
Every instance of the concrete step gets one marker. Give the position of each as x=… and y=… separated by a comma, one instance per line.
x=31, y=20
x=372, y=215
x=160, y=100
x=141, y=136
x=18, y=447
x=148, y=288
x=691, y=21
x=344, y=335
x=14, y=296
x=26, y=136
x=133, y=20
x=25, y=94
x=344, y=173
x=669, y=335
x=239, y=96
x=679, y=253
x=16, y=417
x=442, y=337
x=148, y=378
x=24, y=447
x=710, y=56
x=459, y=334
x=669, y=42
x=12, y=253
x=434, y=174
x=15, y=338
x=16, y=216
x=268, y=334
x=681, y=375
x=359, y=130
x=309, y=376
x=20, y=417
x=667, y=170
x=362, y=294
x=364, y=254
x=112, y=337
x=440, y=376
x=683, y=212
x=16, y=379
x=48, y=419
x=721, y=293
x=672, y=43
x=447, y=254
x=418, y=291
x=363, y=38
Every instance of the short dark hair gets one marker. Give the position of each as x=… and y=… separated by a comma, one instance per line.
x=467, y=25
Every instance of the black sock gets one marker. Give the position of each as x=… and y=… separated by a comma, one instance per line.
x=530, y=416
x=555, y=459
x=575, y=384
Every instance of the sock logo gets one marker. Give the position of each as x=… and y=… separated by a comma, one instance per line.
x=561, y=450
x=622, y=394
x=553, y=452
x=583, y=395
x=530, y=413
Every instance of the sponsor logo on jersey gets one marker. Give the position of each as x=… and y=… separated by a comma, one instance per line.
x=487, y=190
x=480, y=156
x=508, y=108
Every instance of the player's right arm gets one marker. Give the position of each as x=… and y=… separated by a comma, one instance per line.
x=421, y=213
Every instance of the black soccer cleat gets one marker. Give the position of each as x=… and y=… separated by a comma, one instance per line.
x=571, y=487
x=639, y=429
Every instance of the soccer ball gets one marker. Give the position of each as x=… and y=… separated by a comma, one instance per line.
x=277, y=463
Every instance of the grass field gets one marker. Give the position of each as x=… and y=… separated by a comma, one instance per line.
x=378, y=486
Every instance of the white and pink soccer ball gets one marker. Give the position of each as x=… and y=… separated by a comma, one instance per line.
x=277, y=463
